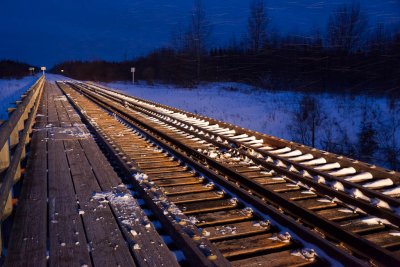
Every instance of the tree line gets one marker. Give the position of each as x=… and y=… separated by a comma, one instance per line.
x=13, y=69
x=350, y=55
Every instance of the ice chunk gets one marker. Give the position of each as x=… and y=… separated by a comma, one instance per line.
x=359, y=177
x=280, y=151
x=314, y=162
x=380, y=203
x=356, y=193
x=375, y=220
x=285, y=237
x=302, y=157
x=392, y=191
x=328, y=166
x=337, y=186
x=343, y=171
x=293, y=153
x=239, y=136
x=306, y=253
x=379, y=183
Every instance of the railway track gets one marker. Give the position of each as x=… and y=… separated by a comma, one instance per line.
x=208, y=166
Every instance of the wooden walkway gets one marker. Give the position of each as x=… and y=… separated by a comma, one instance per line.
x=73, y=209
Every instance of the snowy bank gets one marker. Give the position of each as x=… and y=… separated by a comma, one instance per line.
x=11, y=90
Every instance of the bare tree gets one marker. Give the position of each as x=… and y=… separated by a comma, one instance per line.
x=198, y=35
x=257, y=25
x=387, y=137
x=378, y=40
x=346, y=27
x=306, y=119
x=367, y=144
x=177, y=40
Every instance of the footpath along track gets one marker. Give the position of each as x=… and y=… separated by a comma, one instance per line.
x=247, y=178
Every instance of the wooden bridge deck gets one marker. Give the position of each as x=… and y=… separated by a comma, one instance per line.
x=63, y=217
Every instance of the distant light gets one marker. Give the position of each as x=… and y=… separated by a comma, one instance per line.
x=62, y=70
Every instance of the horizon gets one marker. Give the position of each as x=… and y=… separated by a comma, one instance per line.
x=51, y=33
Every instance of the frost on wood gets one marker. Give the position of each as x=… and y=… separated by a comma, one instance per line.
x=129, y=211
x=142, y=235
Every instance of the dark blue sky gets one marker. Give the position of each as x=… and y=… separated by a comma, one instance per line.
x=45, y=32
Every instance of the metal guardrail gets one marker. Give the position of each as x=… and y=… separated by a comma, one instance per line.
x=14, y=137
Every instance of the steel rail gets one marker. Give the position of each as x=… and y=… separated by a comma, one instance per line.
x=274, y=141
x=373, y=210
x=356, y=243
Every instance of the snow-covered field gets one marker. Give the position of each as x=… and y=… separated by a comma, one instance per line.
x=10, y=91
x=338, y=128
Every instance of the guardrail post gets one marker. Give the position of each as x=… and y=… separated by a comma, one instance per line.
x=8, y=208
x=4, y=163
x=14, y=140
x=21, y=124
x=4, y=157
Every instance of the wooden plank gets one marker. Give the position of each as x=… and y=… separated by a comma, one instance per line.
x=359, y=226
x=244, y=169
x=60, y=181
x=315, y=203
x=233, y=230
x=62, y=114
x=155, y=160
x=162, y=171
x=336, y=214
x=250, y=245
x=179, y=181
x=298, y=195
x=184, y=189
x=225, y=216
x=131, y=218
x=67, y=241
x=72, y=114
x=150, y=165
x=52, y=116
x=28, y=240
x=194, y=197
x=278, y=259
x=209, y=205
x=102, y=232
x=141, y=157
x=105, y=174
x=184, y=174
x=385, y=239
x=282, y=187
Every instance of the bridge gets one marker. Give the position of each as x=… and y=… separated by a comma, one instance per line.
x=93, y=177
